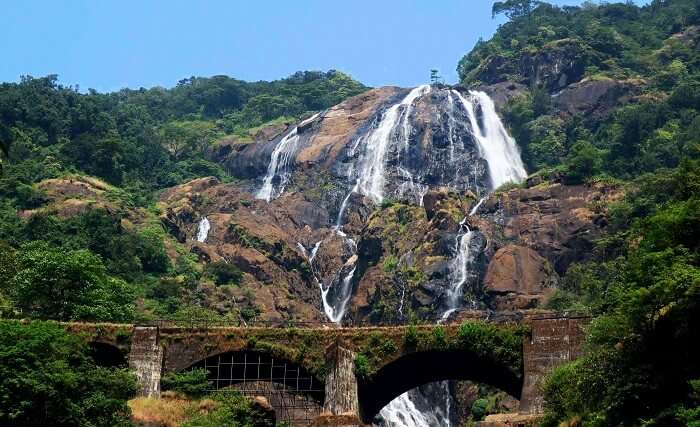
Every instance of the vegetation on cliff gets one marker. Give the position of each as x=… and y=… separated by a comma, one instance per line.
x=643, y=282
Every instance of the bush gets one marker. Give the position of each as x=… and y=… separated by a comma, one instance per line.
x=479, y=409
x=410, y=338
x=223, y=273
x=52, y=283
x=390, y=263
x=362, y=368
x=232, y=410
x=193, y=383
x=498, y=343
x=439, y=337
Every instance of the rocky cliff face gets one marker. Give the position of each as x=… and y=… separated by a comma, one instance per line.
x=367, y=212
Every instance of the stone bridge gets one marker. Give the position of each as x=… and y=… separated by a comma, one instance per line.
x=343, y=376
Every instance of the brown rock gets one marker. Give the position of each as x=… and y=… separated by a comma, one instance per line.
x=340, y=123
x=521, y=275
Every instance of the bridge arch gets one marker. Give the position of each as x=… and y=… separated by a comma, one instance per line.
x=295, y=394
x=417, y=368
x=107, y=354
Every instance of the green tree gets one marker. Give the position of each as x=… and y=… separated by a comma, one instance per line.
x=223, y=273
x=54, y=283
x=583, y=161
x=48, y=378
x=514, y=8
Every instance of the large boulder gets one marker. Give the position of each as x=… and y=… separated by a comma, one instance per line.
x=595, y=98
x=556, y=65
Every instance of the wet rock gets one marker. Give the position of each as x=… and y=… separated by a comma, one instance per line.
x=559, y=222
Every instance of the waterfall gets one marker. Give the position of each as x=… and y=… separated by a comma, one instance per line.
x=459, y=269
x=409, y=409
x=370, y=180
x=279, y=163
x=278, y=166
x=505, y=165
x=336, y=310
x=494, y=144
x=402, y=412
x=203, y=230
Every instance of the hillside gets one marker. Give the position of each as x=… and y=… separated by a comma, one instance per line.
x=562, y=172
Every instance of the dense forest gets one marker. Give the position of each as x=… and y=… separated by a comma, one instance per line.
x=116, y=262
x=643, y=286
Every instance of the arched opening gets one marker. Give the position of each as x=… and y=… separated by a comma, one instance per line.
x=295, y=394
x=107, y=355
x=419, y=368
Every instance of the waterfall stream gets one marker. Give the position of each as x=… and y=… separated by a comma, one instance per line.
x=369, y=182
x=459, y=269
x=279, y=165
x=505, y=165
x=203, y=230
x=495, y=145
x=474, y=113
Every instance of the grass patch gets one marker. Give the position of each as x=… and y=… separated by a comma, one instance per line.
x=170, y=412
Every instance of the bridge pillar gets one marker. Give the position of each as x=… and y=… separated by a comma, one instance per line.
x=341, y=404
x=552, y=342
x=146, y=359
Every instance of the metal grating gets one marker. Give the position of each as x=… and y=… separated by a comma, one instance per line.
x=294, y=393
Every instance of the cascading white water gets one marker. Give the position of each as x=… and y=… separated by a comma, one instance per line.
x=494, y=144
x=203, y=230
x=370, y=180
x=335, y=312
x=278, y=166
x=459, y=269
x=403, y=411
x=505, y=165
x=279, y=163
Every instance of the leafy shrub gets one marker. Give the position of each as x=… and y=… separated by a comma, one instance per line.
x=192, y=383
x=488, y=340
x=53, y=283
x=362, y=366
x=410, y=338
x=478, y=409
x=390, y=263
x=439, y=338
x=223, y=273
x=234, y=410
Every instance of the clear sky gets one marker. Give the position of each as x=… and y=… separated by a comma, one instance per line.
x=107, y=45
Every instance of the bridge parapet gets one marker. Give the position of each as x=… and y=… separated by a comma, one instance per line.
x=363, y=368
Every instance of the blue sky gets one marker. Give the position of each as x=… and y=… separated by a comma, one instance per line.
x=108, y=45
